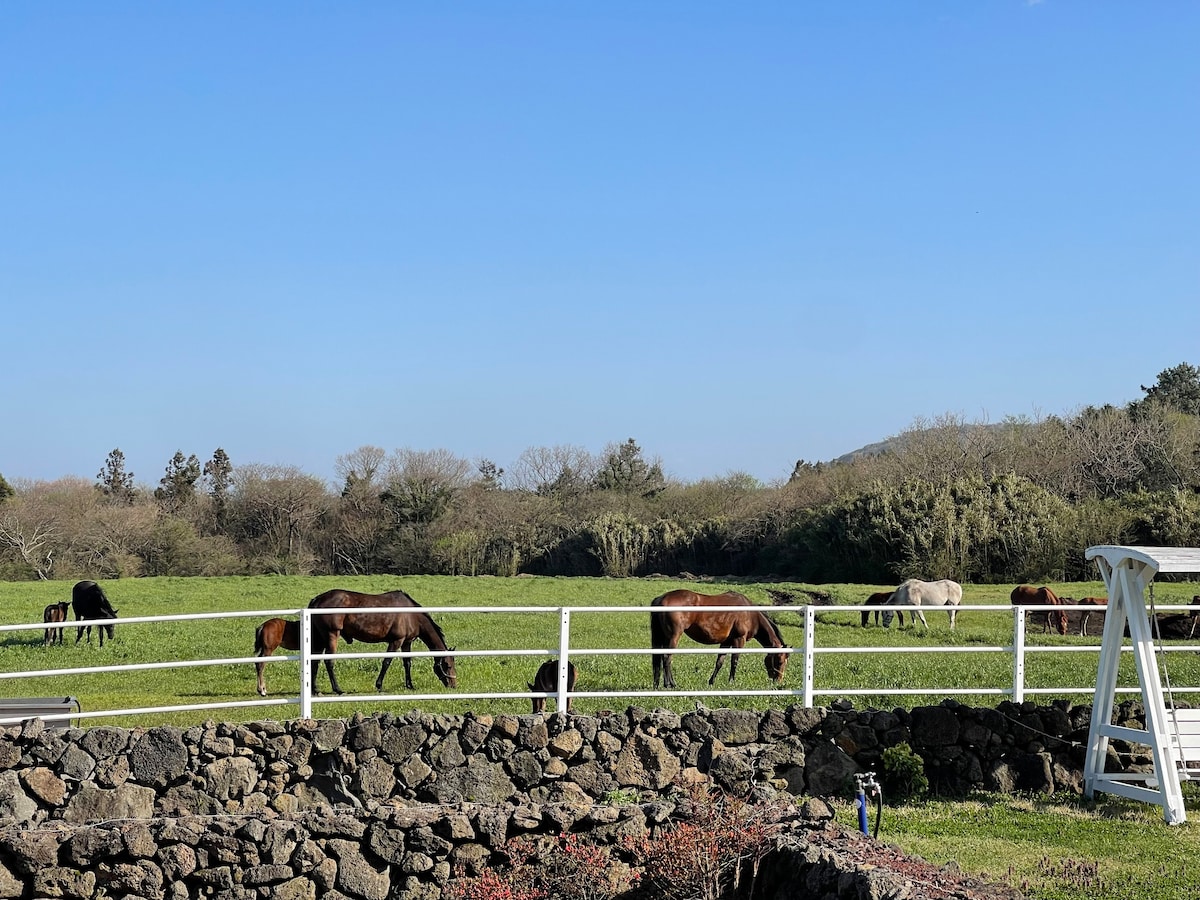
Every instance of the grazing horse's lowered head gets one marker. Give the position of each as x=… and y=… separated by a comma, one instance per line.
x=878, y=599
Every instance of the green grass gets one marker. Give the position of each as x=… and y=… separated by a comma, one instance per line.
x=1051, y=846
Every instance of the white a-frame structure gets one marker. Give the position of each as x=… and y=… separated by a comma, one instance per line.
x=1173, y=735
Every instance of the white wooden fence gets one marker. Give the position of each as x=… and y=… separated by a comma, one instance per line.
x=806, y=654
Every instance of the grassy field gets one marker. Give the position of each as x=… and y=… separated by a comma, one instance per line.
x=1054, y=661
x=1060, y=848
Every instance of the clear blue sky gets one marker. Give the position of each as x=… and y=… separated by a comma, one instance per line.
x=739, y=233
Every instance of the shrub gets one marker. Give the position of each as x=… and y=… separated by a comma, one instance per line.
x=903, y=773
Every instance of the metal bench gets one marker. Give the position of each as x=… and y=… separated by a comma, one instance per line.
x=16, y=710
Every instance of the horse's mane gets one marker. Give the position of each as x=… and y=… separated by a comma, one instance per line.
x=437, y=629
x=773, y=625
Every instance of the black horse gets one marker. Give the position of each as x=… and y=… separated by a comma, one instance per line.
x=89, y=602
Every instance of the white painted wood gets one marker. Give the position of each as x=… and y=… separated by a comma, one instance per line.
x=1170, y=733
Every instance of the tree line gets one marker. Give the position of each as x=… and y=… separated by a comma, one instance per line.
x=1017, y=500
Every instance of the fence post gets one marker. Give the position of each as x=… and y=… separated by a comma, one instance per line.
x=306, y=679
x=564, y=649
x=1018, y=691
x=810, y=639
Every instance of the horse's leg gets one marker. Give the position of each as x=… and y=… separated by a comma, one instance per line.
x=953, y=613
x=721, y=661
x=331, y=642
x=733, y=659
x=668, y=669
x=656, y=666
x=387, y=663
x=917, y=614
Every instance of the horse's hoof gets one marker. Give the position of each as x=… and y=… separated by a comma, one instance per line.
x=339, y=692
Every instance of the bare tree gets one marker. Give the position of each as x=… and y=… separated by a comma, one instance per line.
x=276, y=508
x=560, y=471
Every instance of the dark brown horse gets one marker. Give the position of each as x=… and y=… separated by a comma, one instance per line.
x=880, y=598
x=89, y=601
x=546, y=680
x=397, y=630
x=729, y=629
x=1024, y=595
x=270, y=636
x=55, y=612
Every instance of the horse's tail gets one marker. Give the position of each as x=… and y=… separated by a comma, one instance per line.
x=260, y=646
x=659, y=636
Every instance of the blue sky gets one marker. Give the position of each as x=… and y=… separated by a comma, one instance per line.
x=739, y=233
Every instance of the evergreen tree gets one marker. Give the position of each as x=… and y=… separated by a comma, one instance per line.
x=113, y=481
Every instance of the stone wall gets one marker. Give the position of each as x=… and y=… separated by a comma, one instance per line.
x=383, y=806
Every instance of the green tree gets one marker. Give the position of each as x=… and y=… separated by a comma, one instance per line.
x=625, y=471
x=177, y=488
x=113, y=481
x=6, y=490
x=1177, y=387
x=218, y=474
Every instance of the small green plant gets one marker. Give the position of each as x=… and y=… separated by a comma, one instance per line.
x=621, y=797
x=903, y=774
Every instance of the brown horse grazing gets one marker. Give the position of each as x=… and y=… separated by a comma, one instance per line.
x=270, y=636
x=1024, y=595
x=880, y=598
x=397, y=630
x=55, y=612
x=729, y=629
x=546, y=680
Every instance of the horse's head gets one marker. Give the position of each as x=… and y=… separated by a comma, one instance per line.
x=443, y=668
x=775, y=664
x=1059, y=617
x=887, y=618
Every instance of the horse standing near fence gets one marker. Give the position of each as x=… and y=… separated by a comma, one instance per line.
x=269, y=637
x=397, y=630
x=546, y=680
x=915, y=592
x=879, y=598
x=681, y=615
x=55, y=612
x=1101, y=602
x=1026, y=595
x=89, y=601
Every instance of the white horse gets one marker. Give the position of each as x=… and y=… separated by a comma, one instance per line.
x=925, y=593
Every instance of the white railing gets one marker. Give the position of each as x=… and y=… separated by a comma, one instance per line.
x=808, y=651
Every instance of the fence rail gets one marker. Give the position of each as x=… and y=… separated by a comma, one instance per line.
x=808, y=652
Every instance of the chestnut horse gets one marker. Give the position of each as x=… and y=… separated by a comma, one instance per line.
x=270, y=636
x=546, y=680
x=55, y=612
x=1024, y=595
x=1087, y=613
x=729, y=629
x=397, y=630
